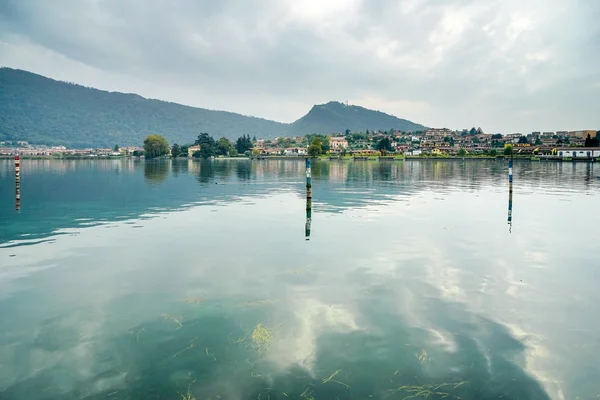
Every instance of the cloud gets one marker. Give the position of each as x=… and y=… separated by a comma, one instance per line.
x=503, y=65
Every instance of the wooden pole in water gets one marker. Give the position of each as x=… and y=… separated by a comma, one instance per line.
x=510, y=192
x=18, y=182
x=308, y=200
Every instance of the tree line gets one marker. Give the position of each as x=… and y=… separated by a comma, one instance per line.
x=156, y=146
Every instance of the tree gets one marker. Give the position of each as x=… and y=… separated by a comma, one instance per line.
x=476, y=140
x=243, y=144
x=538, y=141
x=384, y=145
x=559, y=141
x=508, y=150
x=567, y=140
x=316, y=147
x=116, y=149
x=155, y=146
x=325, y=145
x=588, y=141
x=137, y=153
x=223, y=146
x=175, y=150
x=597, y=134
x=497, y=136
x=449, y=139
x=493, y=153
x=595, y=142
x=523, y=140
x=183, y=150
x=207, y=145
x=347, y=132
x=473, y=132
x=462, y=152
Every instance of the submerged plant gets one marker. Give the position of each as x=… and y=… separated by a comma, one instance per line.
x=261, y=338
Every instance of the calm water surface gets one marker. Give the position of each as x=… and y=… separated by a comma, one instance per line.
x=185, y=280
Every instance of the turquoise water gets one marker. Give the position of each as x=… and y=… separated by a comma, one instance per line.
x=121, y=279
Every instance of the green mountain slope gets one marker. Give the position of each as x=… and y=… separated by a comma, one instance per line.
x=45, y=111
x=337, y=117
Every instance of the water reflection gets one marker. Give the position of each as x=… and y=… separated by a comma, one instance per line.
x=156, y=171
x=407, y=290
x=91, y=194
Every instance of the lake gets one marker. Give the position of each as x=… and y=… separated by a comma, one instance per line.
x=125, y=279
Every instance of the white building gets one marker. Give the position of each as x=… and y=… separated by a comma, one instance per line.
x=582, y=152
x=295, y=151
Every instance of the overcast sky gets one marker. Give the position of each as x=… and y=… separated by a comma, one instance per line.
x=504, y=65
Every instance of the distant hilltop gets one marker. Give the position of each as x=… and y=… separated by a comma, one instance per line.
x=45, y=111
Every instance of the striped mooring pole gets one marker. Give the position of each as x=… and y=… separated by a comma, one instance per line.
x=18, y=182
x=308, y=200
x=510, y=192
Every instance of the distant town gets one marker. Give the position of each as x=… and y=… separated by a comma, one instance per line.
x=428, y=143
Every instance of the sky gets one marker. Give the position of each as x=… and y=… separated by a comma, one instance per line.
x=502, y=65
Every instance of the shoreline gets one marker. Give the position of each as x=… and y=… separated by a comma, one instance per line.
x=358, y=158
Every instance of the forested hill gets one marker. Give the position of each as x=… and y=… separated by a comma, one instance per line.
x=44, y=111
x=337, y=117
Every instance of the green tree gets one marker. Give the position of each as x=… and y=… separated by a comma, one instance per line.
x=184, y=150
x=588, y=141
x=476, y=140
x=473, y=132
x=207, y=145
x=347, y=132
x=223, y=146
x=508, y=150
x=316, y=147
x=384, y=145
x=243, y=144
x=523, y=140
x=116, y=148
x=155, y=146
x=538, y=141
x=325, y=145
x=597, y=134
x=497, y=136
x=462, y=152
x=493, y=153
x=175, y=150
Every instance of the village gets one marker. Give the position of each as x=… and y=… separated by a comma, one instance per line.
x=429, y=143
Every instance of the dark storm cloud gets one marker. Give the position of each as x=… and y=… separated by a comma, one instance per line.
x=504, y=65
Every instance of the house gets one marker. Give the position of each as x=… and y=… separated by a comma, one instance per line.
x=338, y=143
x=193, y=149
x=415, y=152
x=574, y=152
x=104, y=152
x=295, y=151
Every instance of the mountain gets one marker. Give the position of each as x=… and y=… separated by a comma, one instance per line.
x=337, y=117
x=45, y=111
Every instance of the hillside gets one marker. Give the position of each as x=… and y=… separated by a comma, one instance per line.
x=45, y=111
x=337, y=117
